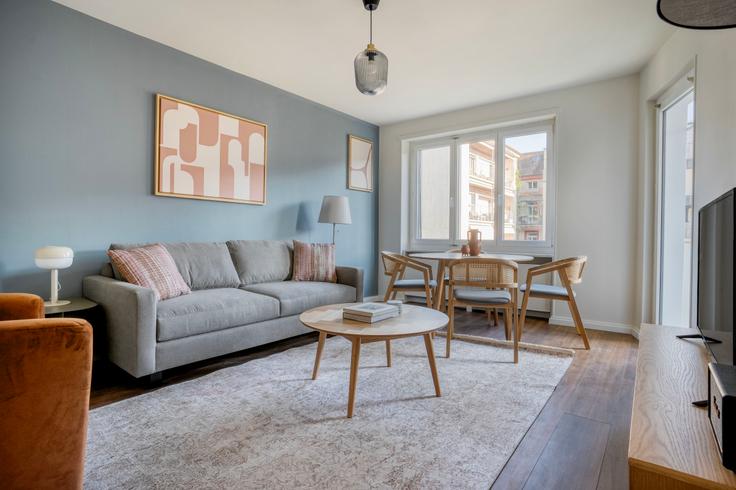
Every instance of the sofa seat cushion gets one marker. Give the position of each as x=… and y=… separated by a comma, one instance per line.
x=209, y=310
x=298, y=296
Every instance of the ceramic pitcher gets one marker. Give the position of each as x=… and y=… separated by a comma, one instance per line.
x=474, y=241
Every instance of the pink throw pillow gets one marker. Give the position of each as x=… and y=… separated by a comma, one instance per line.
x=314, y=262
x=150, y=267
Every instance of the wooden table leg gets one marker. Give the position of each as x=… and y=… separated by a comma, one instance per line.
x=388, y=353
x=432, y=363
x=320, y=346
x=439, y=295
x=355, y=359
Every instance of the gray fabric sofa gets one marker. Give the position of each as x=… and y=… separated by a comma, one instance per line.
x=241, y=297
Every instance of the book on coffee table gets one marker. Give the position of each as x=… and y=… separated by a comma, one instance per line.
x=370, y=312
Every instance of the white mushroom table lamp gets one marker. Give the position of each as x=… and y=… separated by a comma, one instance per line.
x=54, y=258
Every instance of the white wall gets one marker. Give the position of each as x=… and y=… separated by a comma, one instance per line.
x=597, y=159
x=714, y=59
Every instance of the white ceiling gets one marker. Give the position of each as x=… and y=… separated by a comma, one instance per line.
x=442, y=55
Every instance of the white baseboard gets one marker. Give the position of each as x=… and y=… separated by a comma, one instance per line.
x=566, y=321
x=370, y=299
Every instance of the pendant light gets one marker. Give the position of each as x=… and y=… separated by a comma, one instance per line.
x=371, y=66
x=698, y=14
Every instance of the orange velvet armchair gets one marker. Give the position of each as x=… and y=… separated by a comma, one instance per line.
x=45, y=374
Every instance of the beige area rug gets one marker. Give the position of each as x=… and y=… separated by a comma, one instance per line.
x=265, y=424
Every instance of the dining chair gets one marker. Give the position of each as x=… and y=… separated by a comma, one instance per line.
x=486, y=284
x=492, y=320
x=395, y=266
x=570, y=271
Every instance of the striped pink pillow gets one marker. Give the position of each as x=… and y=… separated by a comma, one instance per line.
x=314, y=262
x=151, y=267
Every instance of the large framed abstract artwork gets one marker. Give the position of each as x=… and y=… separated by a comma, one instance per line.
x=202, y=153
x=360, y=164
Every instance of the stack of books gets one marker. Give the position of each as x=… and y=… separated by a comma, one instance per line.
x=370, y=312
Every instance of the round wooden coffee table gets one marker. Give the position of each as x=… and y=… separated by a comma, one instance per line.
x=413, y=321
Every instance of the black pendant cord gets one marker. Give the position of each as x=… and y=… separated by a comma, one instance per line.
x=371, y=34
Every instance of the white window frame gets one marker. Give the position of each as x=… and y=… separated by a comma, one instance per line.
x=535, y=247
x=676, y=92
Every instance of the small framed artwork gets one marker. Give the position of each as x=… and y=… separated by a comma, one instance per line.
x=203, y=153
x=360, y=164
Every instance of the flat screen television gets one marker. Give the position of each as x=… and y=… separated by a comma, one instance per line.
x=715, y=276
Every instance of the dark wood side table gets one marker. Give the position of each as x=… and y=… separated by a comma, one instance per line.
x=75, y=305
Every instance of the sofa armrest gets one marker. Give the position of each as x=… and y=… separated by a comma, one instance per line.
x=351, y=276
x=131, y=322
x=20, y=306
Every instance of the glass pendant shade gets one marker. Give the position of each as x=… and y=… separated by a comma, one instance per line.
x=371, y=71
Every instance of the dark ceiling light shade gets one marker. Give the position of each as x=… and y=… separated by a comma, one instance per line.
x=698, y=14
x=371, y=66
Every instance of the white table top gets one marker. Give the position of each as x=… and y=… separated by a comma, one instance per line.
x=414, y=320
x=458, y=255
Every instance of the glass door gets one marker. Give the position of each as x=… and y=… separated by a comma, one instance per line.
x=676, y=127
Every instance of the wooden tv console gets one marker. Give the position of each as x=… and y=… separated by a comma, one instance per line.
x=671, y=445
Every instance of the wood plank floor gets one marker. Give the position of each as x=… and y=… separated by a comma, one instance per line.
x=579, y=440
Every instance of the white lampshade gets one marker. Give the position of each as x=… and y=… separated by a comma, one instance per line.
x=335, y=210
x=52, y=257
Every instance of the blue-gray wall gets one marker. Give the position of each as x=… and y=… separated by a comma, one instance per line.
x=76, y=150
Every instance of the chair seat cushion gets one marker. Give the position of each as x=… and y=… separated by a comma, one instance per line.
x=413, y=283
x=485, y=296
x=208, y=310
x=298, y=296
x=546, y=289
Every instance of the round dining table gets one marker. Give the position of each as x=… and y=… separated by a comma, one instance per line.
x=443, y=258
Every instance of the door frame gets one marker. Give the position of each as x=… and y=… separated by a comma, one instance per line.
x=680, y=89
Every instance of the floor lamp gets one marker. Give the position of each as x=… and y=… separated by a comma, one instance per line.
x=335, y=210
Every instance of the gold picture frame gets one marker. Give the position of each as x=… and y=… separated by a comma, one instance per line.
x=206, y=154
x=360, y=164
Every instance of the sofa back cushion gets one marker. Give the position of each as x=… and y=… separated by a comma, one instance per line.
x=204, y=265
x=260, y=261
